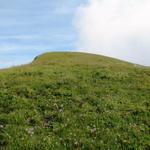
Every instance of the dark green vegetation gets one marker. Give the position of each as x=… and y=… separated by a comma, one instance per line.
x=75, y=101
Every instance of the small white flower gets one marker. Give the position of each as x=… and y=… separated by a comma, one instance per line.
x=30, y=131
x=76, y=142
x=60, y=110
x=93, y=130
x=1, y=126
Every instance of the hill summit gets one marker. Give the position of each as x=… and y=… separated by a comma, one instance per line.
x=67, y=100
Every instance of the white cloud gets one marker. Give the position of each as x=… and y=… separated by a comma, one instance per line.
x=117, y=28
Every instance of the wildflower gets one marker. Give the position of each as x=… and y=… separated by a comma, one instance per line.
x=60, y=110
x=93, y=130
x=76, y=142
x=30, y=131
x=1, y=126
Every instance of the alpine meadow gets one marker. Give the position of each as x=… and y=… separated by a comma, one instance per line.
x=75, y=101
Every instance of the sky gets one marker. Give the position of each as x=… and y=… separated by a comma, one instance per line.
x=31, y=27
x=115, y=28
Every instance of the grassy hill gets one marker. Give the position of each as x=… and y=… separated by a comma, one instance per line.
x=75, y=101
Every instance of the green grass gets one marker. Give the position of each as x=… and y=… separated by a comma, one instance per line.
x=75, y=101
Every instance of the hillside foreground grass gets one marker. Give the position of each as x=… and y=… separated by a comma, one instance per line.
x=68, y=101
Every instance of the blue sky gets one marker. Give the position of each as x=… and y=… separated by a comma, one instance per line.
x=31, y=27
x=114, y=28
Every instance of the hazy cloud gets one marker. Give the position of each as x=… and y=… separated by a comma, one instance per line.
x=117, y=28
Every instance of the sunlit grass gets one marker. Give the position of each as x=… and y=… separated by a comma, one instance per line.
x=75, y=101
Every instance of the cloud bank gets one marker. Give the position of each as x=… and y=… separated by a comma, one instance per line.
x=116, y=28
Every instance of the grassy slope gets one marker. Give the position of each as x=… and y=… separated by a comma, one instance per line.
x=75, y=101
